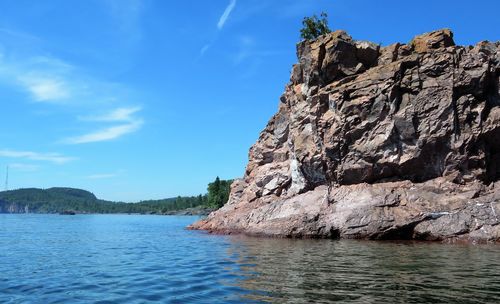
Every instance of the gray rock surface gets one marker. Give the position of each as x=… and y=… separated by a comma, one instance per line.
x=395, y=142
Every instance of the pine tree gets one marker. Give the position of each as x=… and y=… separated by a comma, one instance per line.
x=314, y=26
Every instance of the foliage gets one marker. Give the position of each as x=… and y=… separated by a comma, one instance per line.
x=313, y=27
x=218, y=192
x=56, y=200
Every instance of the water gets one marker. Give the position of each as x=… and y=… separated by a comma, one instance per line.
x=140, y=259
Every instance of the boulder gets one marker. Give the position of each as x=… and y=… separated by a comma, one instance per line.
x=433, y=40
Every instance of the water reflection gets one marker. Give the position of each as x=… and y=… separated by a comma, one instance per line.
x=300, y=271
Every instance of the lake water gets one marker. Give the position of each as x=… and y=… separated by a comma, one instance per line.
x=140, y=259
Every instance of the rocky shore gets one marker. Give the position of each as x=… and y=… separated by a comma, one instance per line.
x=395, y=142
x=200, y=211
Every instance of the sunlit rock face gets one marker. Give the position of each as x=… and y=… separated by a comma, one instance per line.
x=395, y=142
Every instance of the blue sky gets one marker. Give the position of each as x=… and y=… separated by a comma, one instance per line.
x=140, y=99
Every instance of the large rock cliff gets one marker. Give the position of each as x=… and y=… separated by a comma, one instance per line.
x=395, y=142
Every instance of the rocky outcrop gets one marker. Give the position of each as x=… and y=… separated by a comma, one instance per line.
x=197, y=211
x=9, y=207
x=395, y=142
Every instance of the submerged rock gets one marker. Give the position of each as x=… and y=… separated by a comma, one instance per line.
x=396, y=142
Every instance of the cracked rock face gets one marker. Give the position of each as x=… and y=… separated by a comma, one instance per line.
x=395, y=142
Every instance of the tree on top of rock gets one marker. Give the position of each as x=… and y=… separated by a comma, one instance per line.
x=314, y=26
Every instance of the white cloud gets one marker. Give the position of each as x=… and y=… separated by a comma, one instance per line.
x=46, y=89
x=130, y=124
x=117, y=115
x=45, y=78
x=48, y=79
x=49, y=157
x=223, y=18
x=107, y=134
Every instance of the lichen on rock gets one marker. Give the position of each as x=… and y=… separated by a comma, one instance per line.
x=395, y=142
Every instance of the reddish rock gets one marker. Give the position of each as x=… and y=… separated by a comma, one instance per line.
x=400, y=142
x=433, y=40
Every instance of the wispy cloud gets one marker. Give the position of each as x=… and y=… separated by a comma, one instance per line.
x=126, y=115
x=45, y=89
x=52, y=80
x=246, y=46
x=204, y=49
x=48, y=79
x=223, y=18
x=116, y=115
x=55, y=158
x=220, y=24
x=106, y=134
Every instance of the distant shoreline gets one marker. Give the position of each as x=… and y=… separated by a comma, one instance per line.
x=184, y=212
x=66, y=201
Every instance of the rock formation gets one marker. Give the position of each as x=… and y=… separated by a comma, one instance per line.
x=395, y=142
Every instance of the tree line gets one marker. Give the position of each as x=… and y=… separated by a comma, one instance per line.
x=57, y=200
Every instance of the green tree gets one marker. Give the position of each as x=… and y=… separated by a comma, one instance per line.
x=313, y=27
x=214, y=193
x=218, y=192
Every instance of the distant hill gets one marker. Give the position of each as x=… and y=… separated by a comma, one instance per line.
x=59, y=200
x=72, y=192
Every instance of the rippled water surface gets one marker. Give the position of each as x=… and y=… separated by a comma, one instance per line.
x=140, y=259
